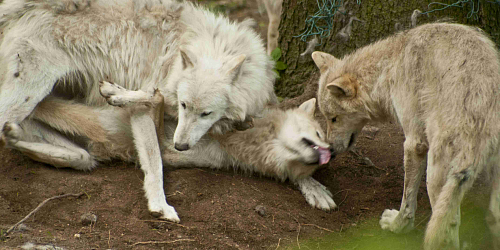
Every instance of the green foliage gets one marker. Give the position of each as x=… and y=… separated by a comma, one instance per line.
x=224, y=8
x=88, y=195
x=3, y=235
x=280, y=65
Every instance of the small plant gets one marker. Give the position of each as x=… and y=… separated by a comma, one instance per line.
x=280, y=65
x=3, y=235
x=88, y=195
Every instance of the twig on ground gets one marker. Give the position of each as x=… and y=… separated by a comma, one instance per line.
x=340, y=192
x=322, y=228
x=366, y=160
x=174, y=193
x=426, y=217
x=38, y=208
x=109, y=238
x=169, y=222
x=279, y=240
x=344, y=198
x=160, y=242
x=298, y=233
x=254, y=188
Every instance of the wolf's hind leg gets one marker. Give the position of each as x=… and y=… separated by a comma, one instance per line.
x=401, y=221
x=316, y=194
x=493, y=216
x=46, y=145
x=28, y=76
x=145, y=113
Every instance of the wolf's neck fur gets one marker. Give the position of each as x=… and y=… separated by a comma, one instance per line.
x=252, y=150
x=372, y=66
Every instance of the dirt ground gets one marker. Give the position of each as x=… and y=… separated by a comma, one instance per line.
x=217, y=208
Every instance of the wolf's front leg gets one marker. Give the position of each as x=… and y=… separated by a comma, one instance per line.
x=316, y=194
x=148, y=150
x=146, y=119
x=414, y=162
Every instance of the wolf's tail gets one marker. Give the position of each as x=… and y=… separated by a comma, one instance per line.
x=273, y=8
x=71, y=118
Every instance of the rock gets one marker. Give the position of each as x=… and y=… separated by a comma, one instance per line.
x=32, y=246
x=22, y=228
x=88, y=218
x=261, y=210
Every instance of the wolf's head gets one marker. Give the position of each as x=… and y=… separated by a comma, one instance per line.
x=302, y=137
x=204, y=96
x=342, y=100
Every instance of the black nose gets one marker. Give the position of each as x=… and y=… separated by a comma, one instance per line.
x=181, y=147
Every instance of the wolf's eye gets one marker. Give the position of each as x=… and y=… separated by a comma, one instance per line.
x=334, y=119
x=206, y=113
x=183, y=105
x=318, y=134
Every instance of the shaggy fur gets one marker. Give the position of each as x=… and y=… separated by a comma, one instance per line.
x=137, y=44
x=282, y=144
x=441, y=83
x=218, y=70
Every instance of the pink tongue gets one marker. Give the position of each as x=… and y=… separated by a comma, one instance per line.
x=324, y=155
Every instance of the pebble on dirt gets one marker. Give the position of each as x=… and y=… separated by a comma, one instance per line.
x=261, y=210
x=88, y=218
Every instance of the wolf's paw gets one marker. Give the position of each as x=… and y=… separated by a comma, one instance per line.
x=115, y=94
x=11, y=133
x=316, y=194
x=394, y=223
x=164, y=212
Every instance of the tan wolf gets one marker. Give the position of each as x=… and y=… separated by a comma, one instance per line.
x=441, y=82
x=282, y=144
x=215, y=73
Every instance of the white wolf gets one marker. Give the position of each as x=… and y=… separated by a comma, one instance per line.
x=282, y=144
x=213, y=72
x=441, y=82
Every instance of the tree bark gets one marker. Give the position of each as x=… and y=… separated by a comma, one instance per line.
x=380, y=19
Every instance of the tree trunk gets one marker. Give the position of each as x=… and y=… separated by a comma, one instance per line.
x=380, y=19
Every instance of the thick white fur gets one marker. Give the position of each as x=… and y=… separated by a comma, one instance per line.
x=64, y=47
x=136, y=44
x=273, y=147
x=441, y=83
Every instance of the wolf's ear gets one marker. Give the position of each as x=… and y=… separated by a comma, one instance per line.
x=323, y=60
x=343, y=87
x=188, y=59
x=233, y=66
x=309, y=106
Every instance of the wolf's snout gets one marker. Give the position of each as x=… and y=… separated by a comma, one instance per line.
x=181, y=147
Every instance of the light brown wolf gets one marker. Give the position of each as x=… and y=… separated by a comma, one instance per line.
x=441, y=82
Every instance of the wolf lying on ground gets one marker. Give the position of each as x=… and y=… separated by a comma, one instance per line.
x=441, y=82
x=213, y=72
x=282, y=144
